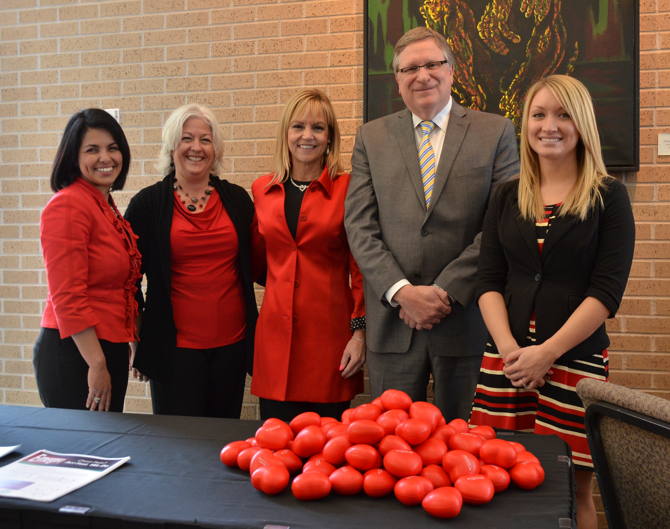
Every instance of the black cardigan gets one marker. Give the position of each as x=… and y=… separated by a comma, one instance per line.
x=150, y=214
x=579, y=259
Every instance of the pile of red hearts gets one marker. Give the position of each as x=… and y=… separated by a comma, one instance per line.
x=390, y=445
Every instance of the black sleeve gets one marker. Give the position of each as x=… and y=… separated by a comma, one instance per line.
x=492, y=269
x=616, y=242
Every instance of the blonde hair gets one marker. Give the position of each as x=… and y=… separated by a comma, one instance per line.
x=172, y=131
x=575, y=99
x=308, y=100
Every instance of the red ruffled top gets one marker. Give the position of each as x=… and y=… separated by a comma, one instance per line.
x=92, y=264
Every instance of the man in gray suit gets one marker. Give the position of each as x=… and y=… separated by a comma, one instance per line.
x=420, y=183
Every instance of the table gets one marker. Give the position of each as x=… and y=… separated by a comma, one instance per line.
x=175, y=480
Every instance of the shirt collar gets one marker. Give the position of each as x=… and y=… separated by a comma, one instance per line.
x=440, y=119
x=324, y=181
x=90, y=189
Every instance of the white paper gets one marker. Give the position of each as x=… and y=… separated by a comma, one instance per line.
x=46, y=476
x=4, y=450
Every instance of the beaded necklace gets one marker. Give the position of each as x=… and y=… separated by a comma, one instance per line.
x=192, y=203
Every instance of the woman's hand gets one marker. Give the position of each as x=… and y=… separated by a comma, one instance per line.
x=99, y=388
x=99, y=380
x=507, y=349
x=353, y=356
x=528, y=367
x=131, y=360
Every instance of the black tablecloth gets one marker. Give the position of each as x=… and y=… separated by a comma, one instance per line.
x=175, y=480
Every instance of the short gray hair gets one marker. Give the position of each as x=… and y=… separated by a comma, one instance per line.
x=422, y=33
x=172, y=131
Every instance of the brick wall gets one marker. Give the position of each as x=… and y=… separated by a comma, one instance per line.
x=641, y=332
x=244, y=58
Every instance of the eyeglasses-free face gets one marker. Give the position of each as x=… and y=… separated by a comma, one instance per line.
x=100, y=159
x=307, y=139
x=424, y=78
x=551, y=132
x=194, y=155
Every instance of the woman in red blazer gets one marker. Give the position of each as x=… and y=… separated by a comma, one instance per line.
x=81, y=357
x=557, y=247
x=310, y=338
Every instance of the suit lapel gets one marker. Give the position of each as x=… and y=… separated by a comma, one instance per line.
x=453, y=138
x=559, y=228
x=403, y=135
x=527, y=230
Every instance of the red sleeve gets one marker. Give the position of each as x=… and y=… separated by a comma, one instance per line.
x=356, y=288
x=65, y=229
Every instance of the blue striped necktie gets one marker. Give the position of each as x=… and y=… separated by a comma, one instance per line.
x=427, y=160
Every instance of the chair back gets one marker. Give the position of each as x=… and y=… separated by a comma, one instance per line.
x=629, y=436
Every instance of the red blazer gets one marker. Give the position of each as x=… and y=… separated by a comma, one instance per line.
x=313, y=289
x=92, y=265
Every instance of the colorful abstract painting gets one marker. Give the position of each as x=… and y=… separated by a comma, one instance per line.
x=501, y=47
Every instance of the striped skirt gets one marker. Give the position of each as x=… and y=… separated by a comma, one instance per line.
x=554, y=408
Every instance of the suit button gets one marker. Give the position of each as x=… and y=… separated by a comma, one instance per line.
x=538, y=277
x=424, y=232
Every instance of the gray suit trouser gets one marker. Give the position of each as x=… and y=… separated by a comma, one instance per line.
x=454, y=377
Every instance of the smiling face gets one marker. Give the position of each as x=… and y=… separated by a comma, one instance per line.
x=307, y=142
x=193, y=156
x=551, y=132
x=100, y=159
x=425, y=92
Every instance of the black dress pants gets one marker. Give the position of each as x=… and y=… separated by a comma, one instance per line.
x=287, y=410
x=62, y=373
x=202, y=382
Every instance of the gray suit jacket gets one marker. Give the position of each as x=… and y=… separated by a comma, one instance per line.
x=393, y=236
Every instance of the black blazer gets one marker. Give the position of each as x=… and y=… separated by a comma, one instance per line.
x=579, y=259
x=150, y=215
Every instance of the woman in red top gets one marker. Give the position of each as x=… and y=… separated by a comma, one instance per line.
x=194, y=230
x=310, y=339
x=92, y=264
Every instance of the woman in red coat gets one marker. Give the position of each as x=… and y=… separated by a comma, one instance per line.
x=310, y=337
x=81, y=356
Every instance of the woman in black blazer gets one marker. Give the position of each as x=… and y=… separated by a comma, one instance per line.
x=556, y=251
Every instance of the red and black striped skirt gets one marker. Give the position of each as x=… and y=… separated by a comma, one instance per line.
x=554, y=408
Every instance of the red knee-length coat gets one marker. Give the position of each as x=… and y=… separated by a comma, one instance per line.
x=313, y=289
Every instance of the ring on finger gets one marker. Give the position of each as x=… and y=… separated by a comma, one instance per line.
x=96, y=399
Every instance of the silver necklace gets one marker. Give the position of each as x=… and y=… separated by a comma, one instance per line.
x=301, y=187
